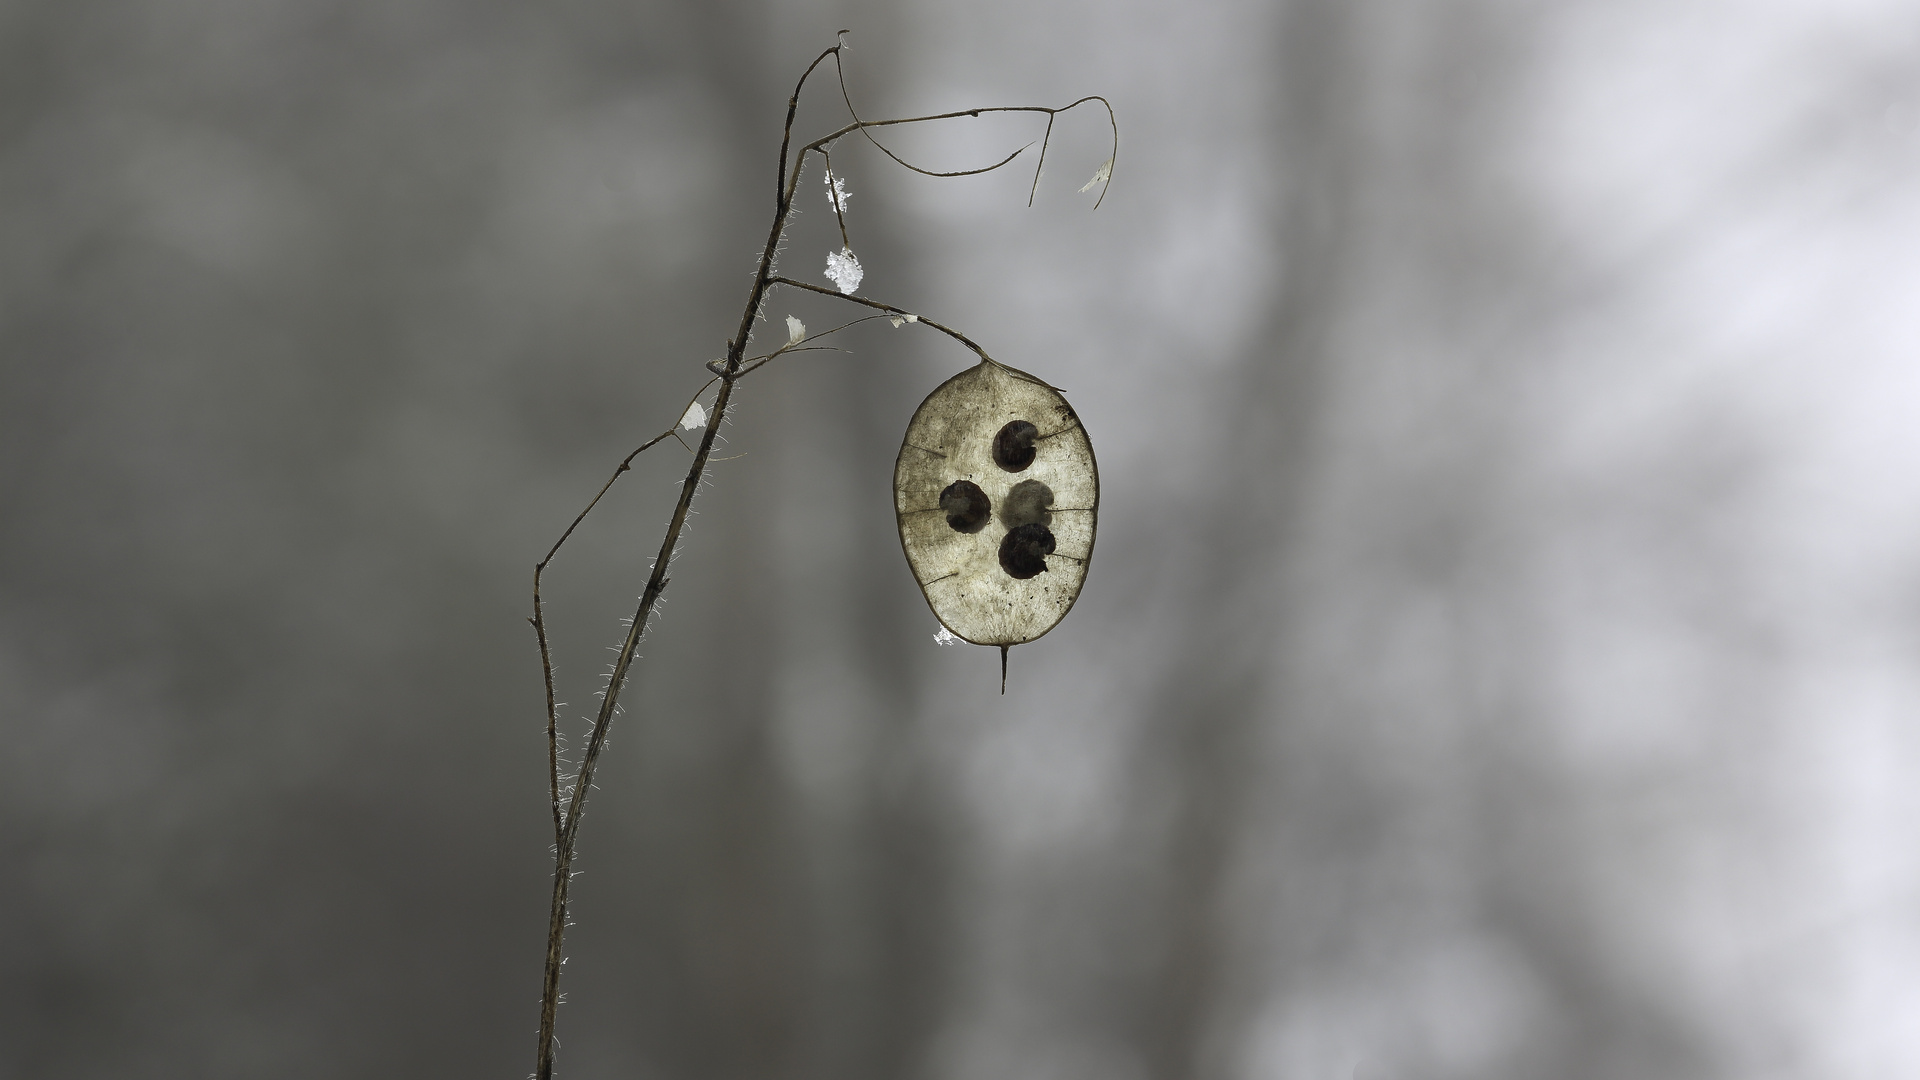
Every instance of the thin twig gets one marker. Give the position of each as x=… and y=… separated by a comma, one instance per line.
x=862, y=127
x=755, y=363
x=889, y=308
x=1042, y=163
x=903, y=162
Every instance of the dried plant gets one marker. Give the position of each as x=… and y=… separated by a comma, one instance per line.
x=952, y=549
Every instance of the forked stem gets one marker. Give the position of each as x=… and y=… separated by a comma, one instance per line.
x=568, y=805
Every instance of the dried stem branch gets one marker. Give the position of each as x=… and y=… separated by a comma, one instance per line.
x=568, y=806
x=888, y=308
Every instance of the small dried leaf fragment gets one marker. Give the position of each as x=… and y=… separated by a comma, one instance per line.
x=903, y=318
x=1101, y=177
x=997, y=492
x=694, y=418
x=796, y=331
x=843, y=269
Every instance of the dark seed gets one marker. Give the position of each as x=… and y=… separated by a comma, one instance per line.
x=1026, y=504
x=1013, y=447
x=966, y=505
x=1024, y=552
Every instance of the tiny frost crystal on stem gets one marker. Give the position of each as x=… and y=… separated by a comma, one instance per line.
x=843, y=269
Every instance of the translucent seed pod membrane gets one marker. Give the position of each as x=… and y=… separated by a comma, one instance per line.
x=997, y=491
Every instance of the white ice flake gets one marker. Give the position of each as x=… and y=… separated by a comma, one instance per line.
x=843, y=269
x=944, y=637
x=903, y=318
x=837, y=192
x=1101, y=177
x=796, y=331
x=695, y=417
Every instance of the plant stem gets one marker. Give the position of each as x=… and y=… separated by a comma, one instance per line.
x=569, y=828
x=567, y=811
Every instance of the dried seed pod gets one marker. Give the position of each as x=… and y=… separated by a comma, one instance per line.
x=1014, y=441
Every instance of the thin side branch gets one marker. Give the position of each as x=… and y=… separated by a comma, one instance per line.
x=890, y=309
x=539, y=620
x=1042, y=163
x=1052, y=114
x=903, y=162
x=755, y=363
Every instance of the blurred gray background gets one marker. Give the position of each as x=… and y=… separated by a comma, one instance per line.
x=1498, y=661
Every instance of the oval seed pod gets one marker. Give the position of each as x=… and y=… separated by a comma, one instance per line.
x=1007, y=576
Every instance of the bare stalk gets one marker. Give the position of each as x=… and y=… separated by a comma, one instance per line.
x=568, y=805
